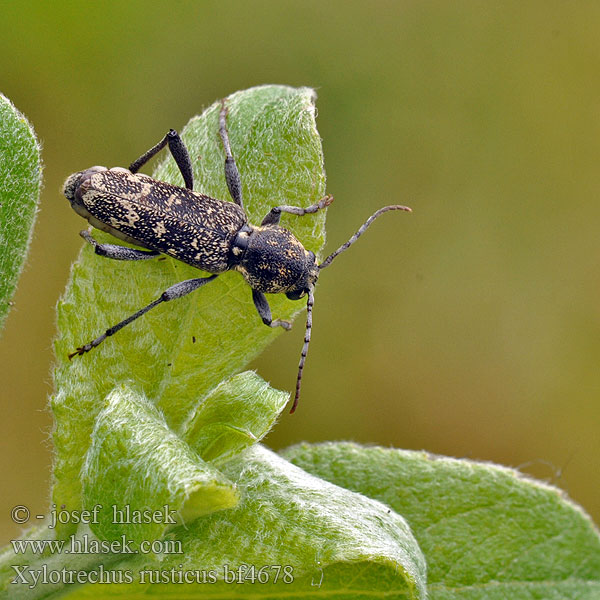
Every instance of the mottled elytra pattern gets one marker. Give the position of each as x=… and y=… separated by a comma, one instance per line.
x=186, y=225
x=212, y=235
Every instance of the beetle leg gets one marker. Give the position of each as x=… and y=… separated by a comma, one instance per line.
x=264, y=311
x=117, y=252
x=175, y=291
x=274, y=214
x=232, y=175
x=179, y=152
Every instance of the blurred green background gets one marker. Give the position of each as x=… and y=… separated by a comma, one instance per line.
x=470, y=328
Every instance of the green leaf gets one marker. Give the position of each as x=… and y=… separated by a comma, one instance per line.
x=20, y=183
x=235, y=415
x=148, y=443
x=180, y=351
x=487, y=532
x=288, y=517
x=142, y=476
x=321, y=540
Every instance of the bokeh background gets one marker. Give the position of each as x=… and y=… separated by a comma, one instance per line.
x=470, y=328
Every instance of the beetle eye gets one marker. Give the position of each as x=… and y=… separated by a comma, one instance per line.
x=296, y=294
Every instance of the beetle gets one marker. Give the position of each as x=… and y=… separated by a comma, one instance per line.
x=209, y=234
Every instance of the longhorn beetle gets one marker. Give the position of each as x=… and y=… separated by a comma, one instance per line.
x=212, y=235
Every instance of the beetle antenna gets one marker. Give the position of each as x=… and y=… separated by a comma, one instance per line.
x=363, y=228
x=309, y=306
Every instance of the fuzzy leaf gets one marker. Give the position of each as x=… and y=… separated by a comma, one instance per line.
x=487, y=531
x=319, y=539
x=20, y=183
x=235, y=415
x=180, y=351
x=337, y=542
x=136, y=465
